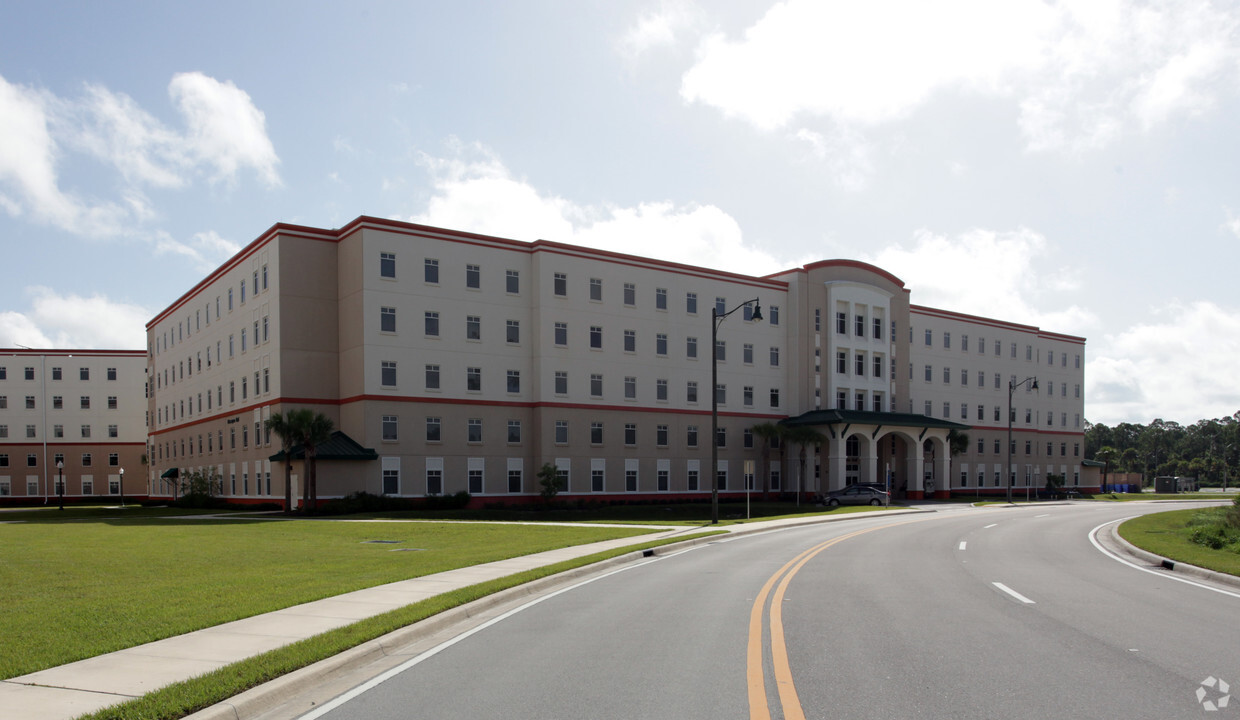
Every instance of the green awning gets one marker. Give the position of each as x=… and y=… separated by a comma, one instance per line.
x=171, y=473
x=338, y=447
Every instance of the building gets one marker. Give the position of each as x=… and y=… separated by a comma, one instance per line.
x=453, y=361
x=71, y=415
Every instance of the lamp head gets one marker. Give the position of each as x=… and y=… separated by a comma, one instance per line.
x=1035, y=384
x=757, y=311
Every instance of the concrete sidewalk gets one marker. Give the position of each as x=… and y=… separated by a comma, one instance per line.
x=67, y=691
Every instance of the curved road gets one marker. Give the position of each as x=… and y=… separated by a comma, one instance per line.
x=963, y=613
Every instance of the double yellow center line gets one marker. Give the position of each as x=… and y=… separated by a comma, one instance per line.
x=755, y=674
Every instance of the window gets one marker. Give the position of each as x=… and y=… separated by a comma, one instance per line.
x=878, y=366
x=660, y=389
x=929, y=373
x=561, y=432
x=774, y=357
x=691, y=347
x=473, y=379
x=929, y=338
x=58, y=431
x=947, y=376
x=660, y=344
x=630, y=341
x=30, y=430
x=113, y=431
x=691, y=436
x=721, y=306
x=596, y=337
x=57, y=375
x=630, y=294
x=859, y=325
x=561, y=382
x=432, y=429
x=596, y=289
x=747, y=353
x=473, y=277
x=596, y=433
x=473, y=432
x=747, y=395
x=841, y=323
x=387, y=319
x=596, y=385
x=264, y=287
x=30, y=373
x=473, y=327
x=85, y=400
x=475, y=479
x=514, y=431
x=432, y=323
x=432, y=377
x=514, y=381
x=721, y=437
x=660, y=435
x=721, y=394
x=929, y=409
x=841, y=362
x=512, y=283
x=981, y=415
x=514, y=331
x=431, y=272
x=30, y=402
x=691, y=303
x=660, y=298
x=559, y=284
x=774, y=397
x=387, y=374
x=111, y=373
x=721, y=351
x=83, y=374
x=630, y=388
x=86, y=460
x=878, y=328
x=691, y=391
x=630, y=434
x=859, y=364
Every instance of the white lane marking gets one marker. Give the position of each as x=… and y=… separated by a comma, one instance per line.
x=380, y=679
x=987, y=527
x=962, y=544
x=1093, y=538
x=1013, y=593
x=1043, y=515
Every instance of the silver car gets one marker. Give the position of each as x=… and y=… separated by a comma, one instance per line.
x=856, y=495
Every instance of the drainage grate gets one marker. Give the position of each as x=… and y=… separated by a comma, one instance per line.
x=383, y=542
x=406, y=550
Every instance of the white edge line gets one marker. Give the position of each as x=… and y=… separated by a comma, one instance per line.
x=1093, y=538
x=393, y=672
x=987, y=527
x=1013, y=593
x=963, y=544
x=1042, y=516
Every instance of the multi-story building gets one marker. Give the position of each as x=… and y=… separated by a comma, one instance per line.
x=71, y=415
x=452, y=361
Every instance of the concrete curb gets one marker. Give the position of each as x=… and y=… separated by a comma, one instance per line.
x=269, y=695
x=1171, y=565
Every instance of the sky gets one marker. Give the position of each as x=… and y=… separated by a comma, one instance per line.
x=1069, y=165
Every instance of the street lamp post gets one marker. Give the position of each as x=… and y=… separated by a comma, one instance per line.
x=1011, y=389
x=60, y=482
x=122, y=486
x=715, y=319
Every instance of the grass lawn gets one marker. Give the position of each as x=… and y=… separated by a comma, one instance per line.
x=687, y=514
x=102, y=580
x=1166, y=534
x=1129, y=497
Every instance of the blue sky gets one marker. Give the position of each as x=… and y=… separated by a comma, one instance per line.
x=1066, y=165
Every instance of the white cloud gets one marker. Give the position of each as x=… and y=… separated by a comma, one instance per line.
x=224, y=133
x=1179, y=366
x=72, y=321
x=206, y=249
x=28, y=167
x=225, y=129
x=659, y=27
x=475, y=192
x=989, y=273
x=845, y=152
x=1080, y=73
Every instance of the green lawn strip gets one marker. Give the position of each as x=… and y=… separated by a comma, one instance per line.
x=73, y=590
x=1130, y=497
x=98, y=512
x=1166, y=534
x=190, y=696
x=681, y=514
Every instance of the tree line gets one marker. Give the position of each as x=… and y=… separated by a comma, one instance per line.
x=1208, y=450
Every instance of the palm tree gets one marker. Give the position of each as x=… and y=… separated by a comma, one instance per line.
x=768, y=432
x=957, y=443
x=290, y=437
x=1107, y=456
x=804, y=436
x=318, y=430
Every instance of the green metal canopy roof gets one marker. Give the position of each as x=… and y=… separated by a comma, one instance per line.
x=338, y=447
x=866, y=417
x=172, y=472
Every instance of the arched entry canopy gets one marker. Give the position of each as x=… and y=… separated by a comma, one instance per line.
x=906, y=452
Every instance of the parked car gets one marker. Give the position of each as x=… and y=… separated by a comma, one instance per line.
x=856, y=495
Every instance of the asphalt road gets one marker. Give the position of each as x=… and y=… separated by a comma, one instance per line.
x=967, y=613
